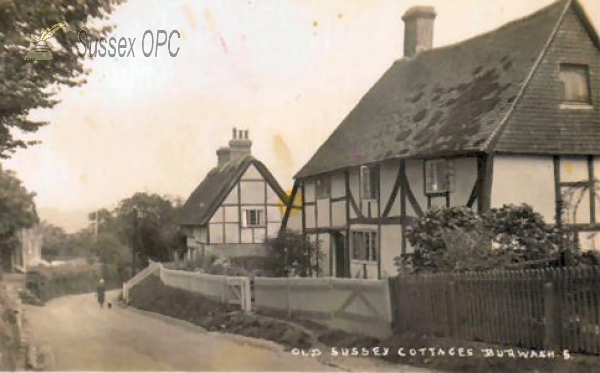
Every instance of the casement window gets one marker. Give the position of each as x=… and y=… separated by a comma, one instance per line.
x=253, y=218
x=369, y=182
x=365, y=246
x=323, y=187
x=576, y=83
x=439, y=176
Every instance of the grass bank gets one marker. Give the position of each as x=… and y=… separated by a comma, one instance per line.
x=152, y=295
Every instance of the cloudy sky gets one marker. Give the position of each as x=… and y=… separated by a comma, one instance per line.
x=288, y=71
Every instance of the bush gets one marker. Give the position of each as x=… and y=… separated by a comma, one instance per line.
x=291, y=254
x=457, y=239
x=50, y=282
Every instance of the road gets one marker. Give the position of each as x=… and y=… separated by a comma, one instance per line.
x=84, y=337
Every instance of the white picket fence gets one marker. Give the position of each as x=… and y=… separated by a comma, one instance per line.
x=355, y=305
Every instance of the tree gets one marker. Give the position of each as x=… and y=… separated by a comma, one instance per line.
x=30, y=85
x=112, y=252
x=55, y=240
x=147, y=224
x=17, y=211
x=290, y=253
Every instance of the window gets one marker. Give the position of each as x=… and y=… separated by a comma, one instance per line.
x=575, y=79
x=254, y=218
x=364, y=246
x=439, y=176
x=369, y=182
x=323, y=187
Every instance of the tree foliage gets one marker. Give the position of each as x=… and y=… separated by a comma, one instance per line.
x=291, y=254
x=457, y=239
x=112, y=252
x=147, y=224
x=17, y=210
x=30, y=85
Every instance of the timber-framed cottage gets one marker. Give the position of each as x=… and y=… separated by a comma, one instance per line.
x=235, y=208
x=510, y=116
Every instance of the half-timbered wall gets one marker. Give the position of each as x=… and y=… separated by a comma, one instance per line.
x=542, y=182
x=252, y=192
x=383, y=215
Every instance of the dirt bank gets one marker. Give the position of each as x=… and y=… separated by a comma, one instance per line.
x=10, y=334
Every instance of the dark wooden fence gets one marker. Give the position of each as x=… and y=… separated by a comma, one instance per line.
x=538, y=309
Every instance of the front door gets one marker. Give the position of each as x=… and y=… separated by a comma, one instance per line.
x=342, y=262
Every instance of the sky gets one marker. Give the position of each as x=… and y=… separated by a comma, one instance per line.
x=288, y=71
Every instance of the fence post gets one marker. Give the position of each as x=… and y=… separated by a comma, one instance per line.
x=391, y=289
x=452, y=308
x=246, y=295
x=288, y=298
x=550, y=316
x=223, y=288
x=331, y=298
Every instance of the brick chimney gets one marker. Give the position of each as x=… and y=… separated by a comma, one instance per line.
x=223, y=155
x=240, y=144
x=418, y=29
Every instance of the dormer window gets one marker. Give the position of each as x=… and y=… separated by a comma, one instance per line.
x=576, y=83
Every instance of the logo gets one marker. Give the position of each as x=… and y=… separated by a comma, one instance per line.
x=41, y=52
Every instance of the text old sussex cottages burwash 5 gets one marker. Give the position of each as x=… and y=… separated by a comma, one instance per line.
x=510, y=116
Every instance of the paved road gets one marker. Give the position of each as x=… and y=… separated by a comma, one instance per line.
x=84, y=337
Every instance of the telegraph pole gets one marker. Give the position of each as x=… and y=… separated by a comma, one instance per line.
x=96, y=227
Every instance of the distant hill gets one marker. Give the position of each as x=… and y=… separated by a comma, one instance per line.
x=70, y=220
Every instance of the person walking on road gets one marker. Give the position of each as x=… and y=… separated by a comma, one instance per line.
x=101, y=291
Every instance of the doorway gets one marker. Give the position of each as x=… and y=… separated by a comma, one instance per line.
x=342, y=261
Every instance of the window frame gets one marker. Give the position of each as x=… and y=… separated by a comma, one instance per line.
x=322, y=187
x=365, y=246
x=259, y=218
x=372, y=174
x=573, y=67
x=449, y=184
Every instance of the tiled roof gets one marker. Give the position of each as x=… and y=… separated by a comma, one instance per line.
x=212, y=191
x=445, y=101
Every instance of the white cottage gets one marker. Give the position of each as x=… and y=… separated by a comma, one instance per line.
x=236, y=207
x=510, y=116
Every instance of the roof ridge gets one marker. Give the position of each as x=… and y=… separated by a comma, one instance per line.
x=495, y=135
x=500, y=28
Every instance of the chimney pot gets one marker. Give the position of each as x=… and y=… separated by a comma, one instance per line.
x=418, y=29
x=234, y=133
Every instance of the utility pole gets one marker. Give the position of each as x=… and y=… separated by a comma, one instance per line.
x=96, y=227
x=134, y=239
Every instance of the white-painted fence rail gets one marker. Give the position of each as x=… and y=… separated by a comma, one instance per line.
x=350, y=304
x=354, y=305
x=225, y=289
x=152, y=268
